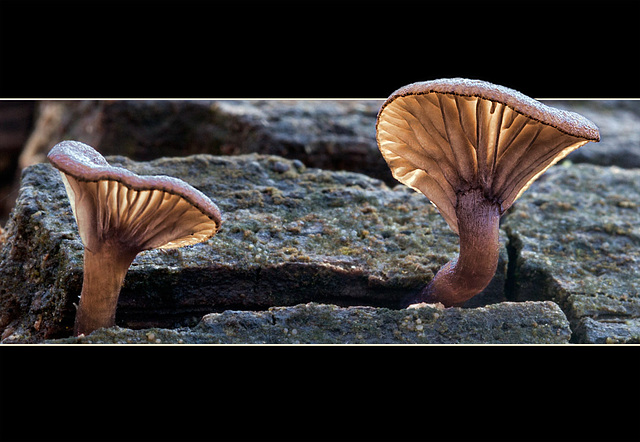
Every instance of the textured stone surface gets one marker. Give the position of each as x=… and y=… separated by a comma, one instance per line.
x=295, y=235
x=615, y=331
x=16, y=120
x=329, y=134
x=619, y=123
x=575, y=239
x=504, y=323
x=290, y=235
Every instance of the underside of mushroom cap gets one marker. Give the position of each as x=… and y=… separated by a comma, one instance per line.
x=447, y=137
x=140, y=212
x=569, y=122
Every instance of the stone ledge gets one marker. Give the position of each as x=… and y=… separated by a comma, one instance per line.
x=575, y=240
x=312, y=323
x=290, y=235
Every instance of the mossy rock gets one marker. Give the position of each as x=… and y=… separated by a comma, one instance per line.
x=290, y=235
x=575, y=240
x=503, y=323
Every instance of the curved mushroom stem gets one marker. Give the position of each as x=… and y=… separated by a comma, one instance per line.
x=466, y=276
x=104, y=273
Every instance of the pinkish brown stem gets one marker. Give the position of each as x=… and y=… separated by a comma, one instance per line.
x=104, y=274
x=466, y=276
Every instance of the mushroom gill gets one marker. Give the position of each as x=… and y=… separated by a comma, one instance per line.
x=119, y=214
x=472, y=148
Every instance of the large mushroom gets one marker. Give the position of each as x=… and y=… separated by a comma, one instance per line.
x=472, y=148
x=119, y=214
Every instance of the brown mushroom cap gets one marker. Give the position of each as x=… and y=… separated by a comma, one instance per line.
x=141, y=212
x=446, y=137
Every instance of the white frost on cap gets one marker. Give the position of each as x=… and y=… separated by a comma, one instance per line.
x=565, y=121
x=142, y=212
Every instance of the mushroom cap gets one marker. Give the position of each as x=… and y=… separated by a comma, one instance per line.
x=446, y=137
x=140, y=212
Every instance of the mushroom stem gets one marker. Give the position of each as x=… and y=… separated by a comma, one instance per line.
x=466, y=276
x=104, y=273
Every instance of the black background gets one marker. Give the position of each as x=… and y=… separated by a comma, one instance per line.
x=148, y=49
x=313, y=49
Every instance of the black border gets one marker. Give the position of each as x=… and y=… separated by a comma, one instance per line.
x=314, y=49
x=318, y=393
x=115, y=49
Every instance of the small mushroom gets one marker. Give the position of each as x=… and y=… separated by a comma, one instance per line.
x=472, y=148
x=120, y=214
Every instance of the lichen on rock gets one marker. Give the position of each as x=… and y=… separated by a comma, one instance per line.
x=294, y=234
x=312, y=323
x=290, y=235
x=576, y=240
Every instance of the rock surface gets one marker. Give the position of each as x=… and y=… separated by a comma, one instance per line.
x=328, y=134
x=575, y=239
x=16, y=120
x=294, y=235
x=618, y=121
x=290, y=235
x=504, y=323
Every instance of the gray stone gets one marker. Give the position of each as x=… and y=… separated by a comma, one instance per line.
x=504, y=323
x=294, y=235
x=608, y=331
x=16, y=120
x=575, y=239
x=290, y=235
x=328, y=134
x=618, y=121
